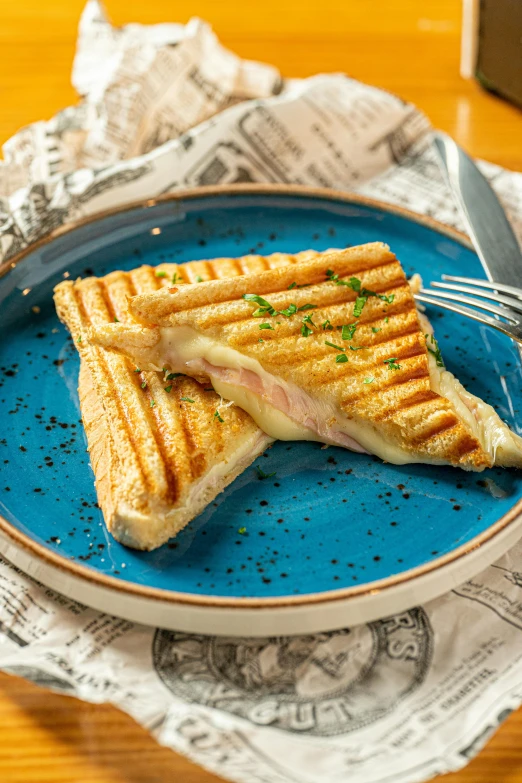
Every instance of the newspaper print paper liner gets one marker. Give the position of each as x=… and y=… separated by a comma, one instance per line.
x=437, y=680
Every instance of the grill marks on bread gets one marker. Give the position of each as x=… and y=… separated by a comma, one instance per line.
x=399, y=402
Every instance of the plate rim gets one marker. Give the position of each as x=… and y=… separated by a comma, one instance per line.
x=65, y=565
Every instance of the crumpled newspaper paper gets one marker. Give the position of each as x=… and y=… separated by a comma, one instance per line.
x=401, y=699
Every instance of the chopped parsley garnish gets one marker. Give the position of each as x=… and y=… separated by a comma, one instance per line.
x=265, y=307
x=348, y=331
x=242, y=531
x=152, y=403
x=161, y=274
x=168, y=389
x=116, y=320
x=435, y=351
x=306, y=331
x=199, y=279
x=218, y=417
x=266, y=326
x=137, y=369
x=341, y=358
x=144, y=385
x=292, y=285
x=333, y=345
x=358, y=306
x=327, y=325
x=358, y=348
x=172, y=375
x=386, y=320
x=186, y=399
x=175, y=277
x=260, y=340
x=355, y=284
x=262, y=475
x=368, y=380
x=392, y=363
x=80, y=339
x=376, y=329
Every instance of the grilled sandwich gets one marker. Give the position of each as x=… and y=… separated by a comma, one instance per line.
x=331, y=349
x=162, y=446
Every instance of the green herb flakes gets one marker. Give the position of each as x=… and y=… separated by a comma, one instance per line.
x=175, y=277
x=265, y=307
x=161, y=274
x=358, y=306
x=376, y=329
x=186, y=399
x=368, y=380
x=199, y=279
x=292, y=285
x=144, y=385
x=326, y=325
x=137, y=369
x=262, y=475
x=392, y=363
x=116, y=320
x=218, y=417
x=152, y=403
x=434, y=350
x=348, y=331
x=354, y=283
x=172, y=375
x=242, y=531
x=168, y=389
x=308, y=326
x=266, y=326
x=341, y=358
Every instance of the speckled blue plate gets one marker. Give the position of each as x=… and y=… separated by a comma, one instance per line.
x=332, y=538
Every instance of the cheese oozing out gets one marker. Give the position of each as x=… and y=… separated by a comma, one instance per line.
x=284, y=411
x=281, y=409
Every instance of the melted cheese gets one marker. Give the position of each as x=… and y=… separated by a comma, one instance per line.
x=183, y=348
x=185, y=344
x=269, y=419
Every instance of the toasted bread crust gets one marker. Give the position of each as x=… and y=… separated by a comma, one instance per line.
x=152, y=461
x=398, y=401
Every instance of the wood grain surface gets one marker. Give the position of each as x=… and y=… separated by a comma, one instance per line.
x=406, y=46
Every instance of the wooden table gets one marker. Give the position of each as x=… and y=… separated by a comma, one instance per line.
x=405, y=46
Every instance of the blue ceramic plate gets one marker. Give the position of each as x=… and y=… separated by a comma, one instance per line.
x=330, y=525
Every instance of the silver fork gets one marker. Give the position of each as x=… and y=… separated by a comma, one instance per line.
x=506, y=305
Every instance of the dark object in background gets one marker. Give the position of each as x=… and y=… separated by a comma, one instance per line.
x=492, y=46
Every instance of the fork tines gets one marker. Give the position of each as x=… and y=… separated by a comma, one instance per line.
x=484, y=296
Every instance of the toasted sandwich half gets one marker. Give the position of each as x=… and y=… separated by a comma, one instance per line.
x=331, y=349
x=161, y=447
